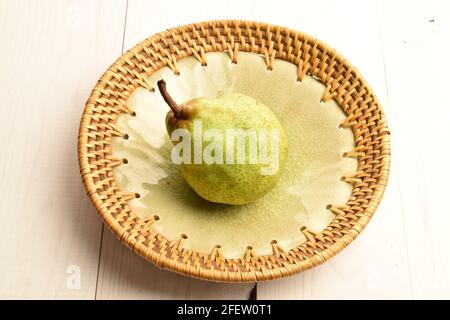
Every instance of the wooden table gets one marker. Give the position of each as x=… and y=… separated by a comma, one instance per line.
x=53, y=244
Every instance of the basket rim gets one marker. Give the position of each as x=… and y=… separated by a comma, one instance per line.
x=209, y=272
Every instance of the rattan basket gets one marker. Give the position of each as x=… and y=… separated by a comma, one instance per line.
x=311, y=56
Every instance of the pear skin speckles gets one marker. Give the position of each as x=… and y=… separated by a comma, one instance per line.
x=235, y=184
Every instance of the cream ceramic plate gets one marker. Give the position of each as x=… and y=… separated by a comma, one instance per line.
x=310, y=181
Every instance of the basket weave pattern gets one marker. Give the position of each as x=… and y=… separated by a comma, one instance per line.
x=311, y=56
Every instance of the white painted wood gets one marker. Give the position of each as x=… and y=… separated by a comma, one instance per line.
x=146, y=18
x=416, y=50
x=124, y=275
x=52, y=54
x=375, y=265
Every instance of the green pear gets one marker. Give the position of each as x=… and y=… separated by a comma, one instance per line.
x=231, y=148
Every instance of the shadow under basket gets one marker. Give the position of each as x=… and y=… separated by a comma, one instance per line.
x=190, y=51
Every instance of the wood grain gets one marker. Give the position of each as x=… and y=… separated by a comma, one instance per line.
x=375, y=265
x=146, y=18
x=416, y=50
x=52, y=54
x=124, y=275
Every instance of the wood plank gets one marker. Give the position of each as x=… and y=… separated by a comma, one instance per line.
x=375, y=265
x=52, y=54
x=123, y=274
x=416, y=49
x=146, y=18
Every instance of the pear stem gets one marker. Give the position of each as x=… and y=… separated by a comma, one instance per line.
x=176, y=108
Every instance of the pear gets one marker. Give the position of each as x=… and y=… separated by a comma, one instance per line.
x=232, y=149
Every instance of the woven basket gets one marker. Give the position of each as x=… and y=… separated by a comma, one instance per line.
x=311, y=56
